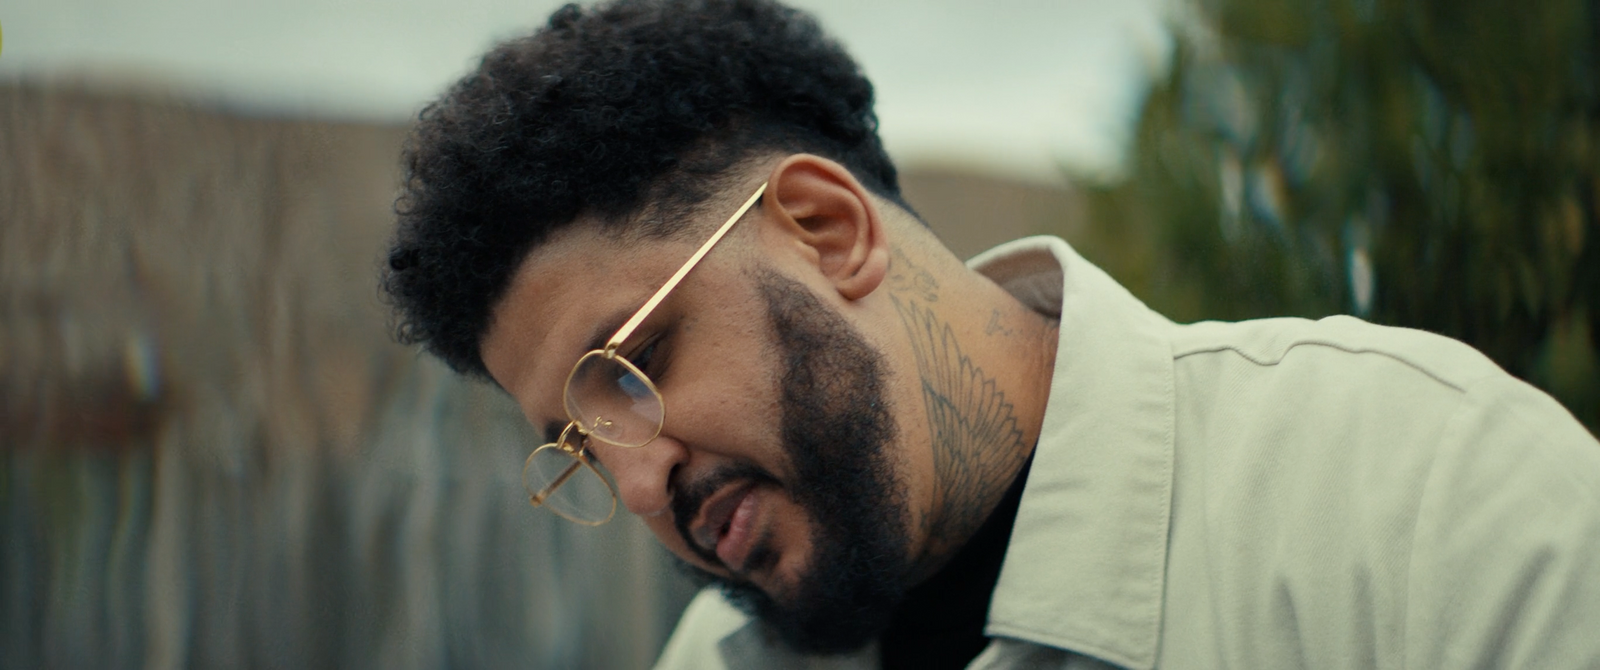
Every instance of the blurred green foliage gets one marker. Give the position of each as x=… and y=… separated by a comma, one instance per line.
x=1433, y=164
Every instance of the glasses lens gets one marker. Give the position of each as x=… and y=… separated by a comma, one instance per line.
x=560, y=481
x=614, y=401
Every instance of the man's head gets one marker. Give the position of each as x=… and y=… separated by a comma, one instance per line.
x=780, y=468
x=815, y=453
x=625, y=123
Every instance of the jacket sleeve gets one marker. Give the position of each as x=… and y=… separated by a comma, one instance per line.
x=1505, y=561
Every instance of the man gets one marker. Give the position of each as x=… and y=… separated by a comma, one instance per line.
x=669, y=231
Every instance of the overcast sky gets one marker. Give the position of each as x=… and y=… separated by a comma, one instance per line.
x=1017, y=87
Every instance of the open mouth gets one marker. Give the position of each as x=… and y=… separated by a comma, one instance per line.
x=725, y=527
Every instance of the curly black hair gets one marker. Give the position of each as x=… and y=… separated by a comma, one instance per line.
x=627, y=106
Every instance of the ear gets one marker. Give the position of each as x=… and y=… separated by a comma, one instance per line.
x=824, y=214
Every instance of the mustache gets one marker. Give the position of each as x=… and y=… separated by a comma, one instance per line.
x=690, y=496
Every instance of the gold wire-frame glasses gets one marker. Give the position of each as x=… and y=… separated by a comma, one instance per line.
x=610, y=399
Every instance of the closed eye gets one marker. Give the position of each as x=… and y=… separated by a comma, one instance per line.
x=649, y=359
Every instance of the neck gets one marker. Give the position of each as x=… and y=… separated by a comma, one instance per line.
x=984, y=363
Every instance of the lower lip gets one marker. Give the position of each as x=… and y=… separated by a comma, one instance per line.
x=734, y=546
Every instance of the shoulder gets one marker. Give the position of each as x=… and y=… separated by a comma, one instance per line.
x=1356, y=372
x=1267, y=342
x=1404, y=490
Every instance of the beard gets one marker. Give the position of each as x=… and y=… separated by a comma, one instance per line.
x=835, y=427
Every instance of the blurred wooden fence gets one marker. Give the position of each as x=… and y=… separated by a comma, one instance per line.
x=211, y=453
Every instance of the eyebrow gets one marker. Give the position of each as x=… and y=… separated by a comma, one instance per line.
x=603, y=332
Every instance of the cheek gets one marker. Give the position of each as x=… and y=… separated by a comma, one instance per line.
x=790, y=533
x=732, y=341
x=727, y=403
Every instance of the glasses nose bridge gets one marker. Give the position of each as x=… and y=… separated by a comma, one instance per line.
x=573, y=435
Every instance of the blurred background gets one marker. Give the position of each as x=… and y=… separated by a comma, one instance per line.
x=212, y=455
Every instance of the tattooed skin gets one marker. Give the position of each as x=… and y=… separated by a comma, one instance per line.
x=976, y=442
x=997, y=328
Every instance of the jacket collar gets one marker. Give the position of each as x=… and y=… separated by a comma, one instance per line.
x=1086, y=566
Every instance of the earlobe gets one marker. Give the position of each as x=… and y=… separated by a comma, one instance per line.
x=868, y=276
x=831, y=220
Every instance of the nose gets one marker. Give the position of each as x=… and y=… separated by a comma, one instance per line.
x=643, y=474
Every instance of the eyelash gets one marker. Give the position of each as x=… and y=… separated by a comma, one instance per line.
x=648, y=358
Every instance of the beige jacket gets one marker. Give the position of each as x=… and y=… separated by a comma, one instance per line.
x=1269, y=494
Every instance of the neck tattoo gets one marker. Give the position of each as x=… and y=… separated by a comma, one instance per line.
x=976, y=441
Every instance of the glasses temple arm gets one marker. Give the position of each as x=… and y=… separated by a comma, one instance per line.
x=544, y=493
x=638, y=317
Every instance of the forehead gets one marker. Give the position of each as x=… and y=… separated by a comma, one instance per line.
x=576, y=288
